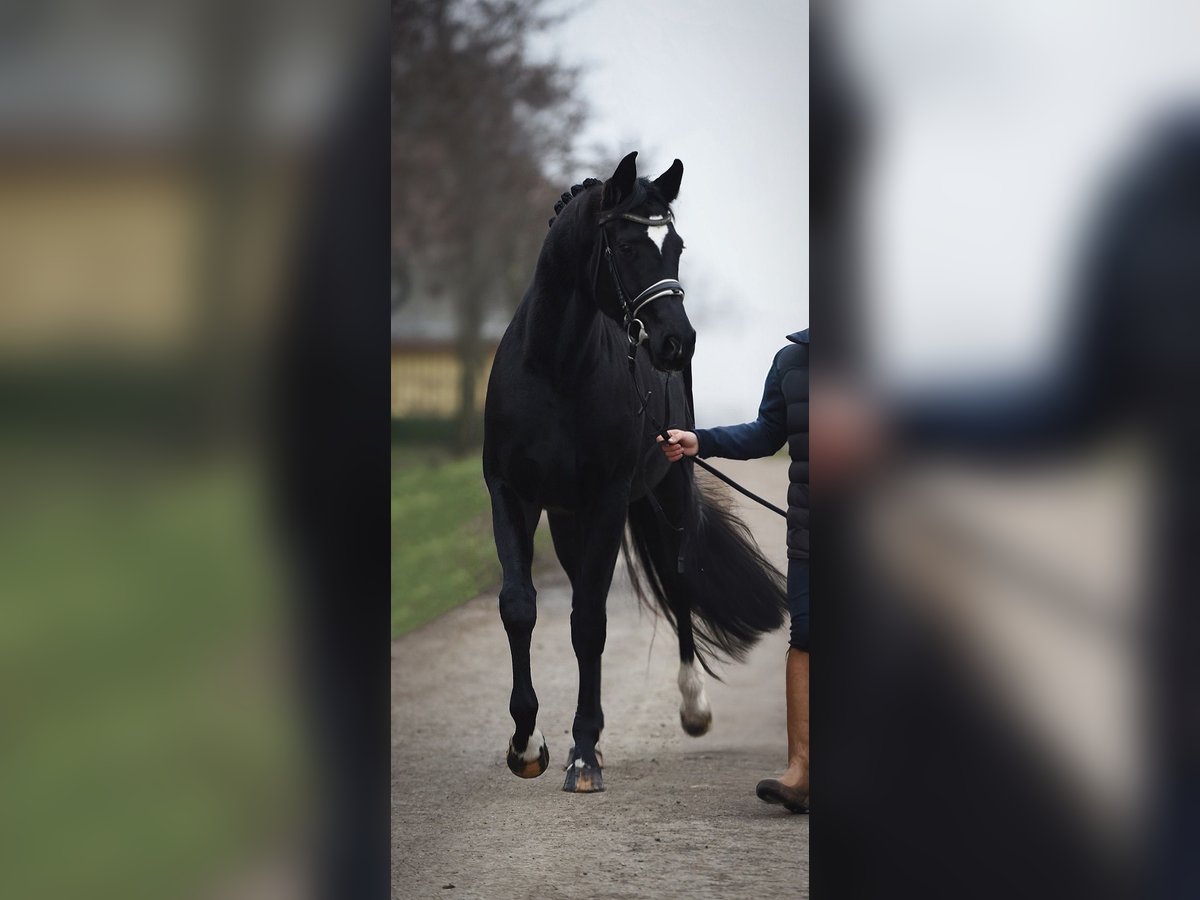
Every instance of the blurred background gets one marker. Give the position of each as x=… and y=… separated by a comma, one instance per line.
x=1001, y=431
x=155, y=167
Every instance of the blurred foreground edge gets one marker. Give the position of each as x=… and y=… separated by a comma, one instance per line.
x=332, y=471
x=926, y=784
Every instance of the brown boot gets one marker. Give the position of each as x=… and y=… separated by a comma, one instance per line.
x=772, y=791
x=791, y=788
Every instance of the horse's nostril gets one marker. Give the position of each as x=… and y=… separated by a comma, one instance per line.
x=674, y=348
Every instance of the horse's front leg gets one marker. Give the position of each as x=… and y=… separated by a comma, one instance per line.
x=601, y=528
x=513, y=524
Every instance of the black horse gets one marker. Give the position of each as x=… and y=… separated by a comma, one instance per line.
x=571, y=416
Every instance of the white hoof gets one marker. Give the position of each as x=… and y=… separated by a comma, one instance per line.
x=695, y=715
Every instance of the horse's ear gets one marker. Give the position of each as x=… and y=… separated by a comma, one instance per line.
x=620, y=185
x=668, y=182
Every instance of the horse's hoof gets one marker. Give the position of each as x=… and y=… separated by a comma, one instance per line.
x=533, y=760
x=695, y=715
x=696, y=723
x=571, y=758
x=583, y=779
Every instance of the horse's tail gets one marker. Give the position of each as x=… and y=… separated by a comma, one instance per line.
x=736, y=594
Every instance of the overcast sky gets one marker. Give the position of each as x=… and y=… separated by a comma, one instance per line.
x=723, y=87
x=996, y=121
x=1000, y=124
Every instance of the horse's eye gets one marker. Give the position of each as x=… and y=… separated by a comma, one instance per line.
x=624, y=246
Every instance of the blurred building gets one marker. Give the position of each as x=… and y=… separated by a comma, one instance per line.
x=150, y=171
x=427, y=366
x=70, y=224
x=102, y=250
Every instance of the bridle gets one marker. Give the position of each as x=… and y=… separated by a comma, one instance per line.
x=666, y=287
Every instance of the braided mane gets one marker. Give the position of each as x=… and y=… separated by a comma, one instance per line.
x=568, y=196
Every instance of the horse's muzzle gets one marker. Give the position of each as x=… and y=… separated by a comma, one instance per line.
x=676, y=351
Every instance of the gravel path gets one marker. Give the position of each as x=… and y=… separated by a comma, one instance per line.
x=679, y=817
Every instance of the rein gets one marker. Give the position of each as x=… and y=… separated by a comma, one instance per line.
x=662, y=432
x=737, y=487
x=666, y=287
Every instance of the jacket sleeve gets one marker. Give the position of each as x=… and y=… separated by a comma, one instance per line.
x=751, y=440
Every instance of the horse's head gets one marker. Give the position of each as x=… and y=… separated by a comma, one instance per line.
x=637, y=281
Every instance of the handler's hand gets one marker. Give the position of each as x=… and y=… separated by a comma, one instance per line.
x=682, y=443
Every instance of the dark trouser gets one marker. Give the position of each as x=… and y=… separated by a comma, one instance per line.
x=797, y=588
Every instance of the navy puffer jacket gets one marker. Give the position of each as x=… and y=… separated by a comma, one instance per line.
x=782, y=416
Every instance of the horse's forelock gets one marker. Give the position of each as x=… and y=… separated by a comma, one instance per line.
x=644, y=191
x=651, y=193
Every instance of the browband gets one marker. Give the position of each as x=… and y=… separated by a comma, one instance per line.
x=641, y=220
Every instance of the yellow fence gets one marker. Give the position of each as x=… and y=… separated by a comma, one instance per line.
x=425, y=382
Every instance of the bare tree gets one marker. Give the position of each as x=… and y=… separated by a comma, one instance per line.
x=476, y=125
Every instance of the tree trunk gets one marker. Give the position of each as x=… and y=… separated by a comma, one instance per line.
x=470, y=360
x=466, y=432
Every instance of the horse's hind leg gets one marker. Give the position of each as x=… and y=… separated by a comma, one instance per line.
x=513, y=524
x=695, y=713
x=599, y=534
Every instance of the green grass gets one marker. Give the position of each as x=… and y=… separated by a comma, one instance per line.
x=147, y=741
x=442, y=549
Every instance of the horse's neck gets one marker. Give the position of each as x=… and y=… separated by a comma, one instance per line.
x=563, y=328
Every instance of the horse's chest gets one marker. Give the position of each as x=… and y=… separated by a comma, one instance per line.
x=568, y=466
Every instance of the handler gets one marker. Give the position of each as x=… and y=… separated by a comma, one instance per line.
x=782, y=416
